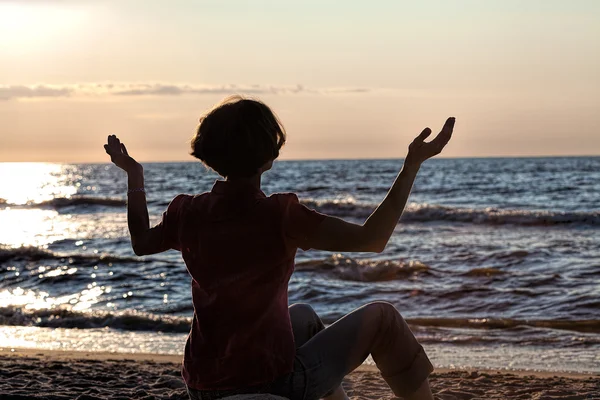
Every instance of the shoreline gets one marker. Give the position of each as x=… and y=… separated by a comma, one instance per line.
x=55, y=374
x=176, y=359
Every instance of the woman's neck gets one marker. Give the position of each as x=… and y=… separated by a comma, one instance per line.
x=254, y=180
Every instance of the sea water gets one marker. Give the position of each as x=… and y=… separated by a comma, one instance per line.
x=495, y=263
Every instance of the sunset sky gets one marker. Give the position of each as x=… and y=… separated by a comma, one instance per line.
x=349, y=79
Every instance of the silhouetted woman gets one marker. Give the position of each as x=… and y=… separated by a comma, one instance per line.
x=239, y=246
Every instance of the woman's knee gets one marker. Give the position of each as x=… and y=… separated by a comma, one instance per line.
x=384, y=312
x=302, y=308
x=305, y=322
x=384, y=308
x=303, y=311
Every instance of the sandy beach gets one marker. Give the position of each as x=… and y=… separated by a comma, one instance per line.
x=89, y=375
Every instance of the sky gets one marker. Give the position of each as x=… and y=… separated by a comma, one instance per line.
x=349, y=79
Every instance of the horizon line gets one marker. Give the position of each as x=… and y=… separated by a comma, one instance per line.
x=323, y=159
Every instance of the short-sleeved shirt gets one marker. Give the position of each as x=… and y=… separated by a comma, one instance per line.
x=239, y=248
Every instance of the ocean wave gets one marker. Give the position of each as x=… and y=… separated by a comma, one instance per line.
x=31, y=253
x=64, y=318
x=365, y=270
x=586, y=326
x=350, y=208
x=141, y=321
x=75, y=201
x=433, y=213
x=485, y=271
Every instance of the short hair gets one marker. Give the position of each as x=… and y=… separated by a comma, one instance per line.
x=237, y=137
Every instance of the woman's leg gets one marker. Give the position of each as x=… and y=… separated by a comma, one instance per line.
x=306, y=324
x=377, y=329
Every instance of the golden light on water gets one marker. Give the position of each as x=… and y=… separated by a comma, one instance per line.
x=19, y=227
x=24, y=183
x=33, y=300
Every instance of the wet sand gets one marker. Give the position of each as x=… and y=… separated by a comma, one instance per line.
x=88, y=375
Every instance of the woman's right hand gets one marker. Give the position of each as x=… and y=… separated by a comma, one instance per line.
x=419, y=150
x=119, y=156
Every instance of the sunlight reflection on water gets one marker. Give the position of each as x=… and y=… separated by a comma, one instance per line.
x=24, y=183
x=32, y=227
x=31, y=300
x=39, y=227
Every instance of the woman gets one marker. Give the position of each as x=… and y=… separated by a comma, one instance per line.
x=239, y=246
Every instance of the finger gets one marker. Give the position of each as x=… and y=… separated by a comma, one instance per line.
x=424, y=135
x=446, y=133
x=114, y=143
x=449, y=125
x=124, y=149
x=111, y=141
x=107, y=149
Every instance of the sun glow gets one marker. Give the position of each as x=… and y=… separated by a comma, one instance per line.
x=26, y=26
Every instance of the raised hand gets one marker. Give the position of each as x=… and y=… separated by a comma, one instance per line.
x=419, y=150
x=119, y=156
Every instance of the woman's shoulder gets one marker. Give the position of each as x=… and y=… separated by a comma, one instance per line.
x=184, y=201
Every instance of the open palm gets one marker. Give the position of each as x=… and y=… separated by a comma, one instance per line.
x=419, y=150
x=119, y=156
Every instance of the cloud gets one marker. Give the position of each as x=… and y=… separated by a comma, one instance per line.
x=21, y=91
x=15, y=92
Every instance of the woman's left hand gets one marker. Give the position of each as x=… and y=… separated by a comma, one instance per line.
x=119, y=156
x=420, y=150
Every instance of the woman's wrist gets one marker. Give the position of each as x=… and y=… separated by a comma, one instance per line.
x=135, y=179
x=135, y=169
x=411, y=165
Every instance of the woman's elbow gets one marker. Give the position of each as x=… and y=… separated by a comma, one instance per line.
x=379, y=247
x=139, y=250
x=373, y=242
x=376, y=246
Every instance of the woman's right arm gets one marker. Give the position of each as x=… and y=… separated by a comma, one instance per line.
x=144, y=240
x=335, y=234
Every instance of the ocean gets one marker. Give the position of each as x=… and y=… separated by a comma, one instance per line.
x=495, y=263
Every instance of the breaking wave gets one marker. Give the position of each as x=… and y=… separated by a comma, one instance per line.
x=349, y=208
x=365, y=270
x=75, y=201
x=35, y=254
x=489, y=216
x=64, y=318
x=140, y=321
x=588, y=326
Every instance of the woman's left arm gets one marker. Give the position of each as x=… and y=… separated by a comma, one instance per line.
x=144, y=240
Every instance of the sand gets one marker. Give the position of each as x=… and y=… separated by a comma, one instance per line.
x=57, y=375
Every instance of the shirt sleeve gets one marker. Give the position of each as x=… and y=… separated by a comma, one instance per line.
x=299, y=222
x=172, y=220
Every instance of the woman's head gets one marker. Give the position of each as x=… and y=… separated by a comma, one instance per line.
x=238, y=137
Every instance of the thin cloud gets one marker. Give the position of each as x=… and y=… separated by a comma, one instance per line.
x=15, y=92
x=25, y=92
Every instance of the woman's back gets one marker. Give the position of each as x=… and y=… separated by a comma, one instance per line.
x=239, y=247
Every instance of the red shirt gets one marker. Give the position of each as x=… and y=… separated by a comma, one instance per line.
x=239, y=247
